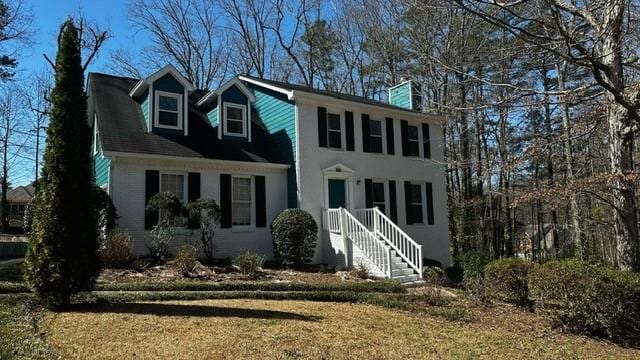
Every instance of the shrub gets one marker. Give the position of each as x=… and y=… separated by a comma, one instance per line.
x=589, y=299
x=249, y=263
x=473, y=276
x=361, y=271
x=454, y=275
x=185, y=260
x=433, y=275
x=167, y=204
x=158, y=240
x=508, y=280
x=27, y=219
x=294, y=233
x=116, y=250
x=105, y=211
x=207, y=214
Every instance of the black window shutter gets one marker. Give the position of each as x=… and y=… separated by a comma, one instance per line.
x=225, y=200
x=193, y=189
x=429, y=190
x=151, y=187
x=366, y=133
x=426, y=141
x=404, y=131
x=393, y=207
x=368, y=193
x=261, y=202
x=407, y=202
x=348, y=120
x=391, y=146
x=322, y=126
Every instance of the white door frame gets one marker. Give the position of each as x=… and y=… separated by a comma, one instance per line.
x=339, y=172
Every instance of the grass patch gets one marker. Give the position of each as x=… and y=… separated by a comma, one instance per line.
x=305, y=330
x=18, y=336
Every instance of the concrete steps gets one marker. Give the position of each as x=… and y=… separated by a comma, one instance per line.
x=401, y=271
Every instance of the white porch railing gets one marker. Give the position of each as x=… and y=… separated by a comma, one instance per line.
x=374, y=248
x=332, y=221
x=376, y=221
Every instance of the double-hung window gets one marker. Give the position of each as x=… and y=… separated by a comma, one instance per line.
x=334, y=132
x=241, y=200
x=175, y=184
x=168, y=110
x=378, y=195
x=415, y=215
x=375, y=136
x=413, y=141
x=235, y=120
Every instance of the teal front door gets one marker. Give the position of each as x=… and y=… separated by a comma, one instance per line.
x=337, y=193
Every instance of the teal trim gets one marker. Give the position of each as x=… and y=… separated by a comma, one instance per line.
x=101, y=168
x=401, y=95
x=278, y=115
x=212, y=115
x=145, y=106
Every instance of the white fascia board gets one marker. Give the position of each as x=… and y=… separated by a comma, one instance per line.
x=289, y=93
x=168, y=69
x=120, y=154
x=218, y=92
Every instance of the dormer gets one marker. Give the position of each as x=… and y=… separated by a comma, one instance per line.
x=163, y=98
x=229, y=109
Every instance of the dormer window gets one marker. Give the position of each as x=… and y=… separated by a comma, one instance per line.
x=168, y=110
x=235, y=116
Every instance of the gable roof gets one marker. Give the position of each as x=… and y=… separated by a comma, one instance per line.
x=21, y=194
x=212, y=95
x=139, y=88
x=121, y=129
x=289, y=89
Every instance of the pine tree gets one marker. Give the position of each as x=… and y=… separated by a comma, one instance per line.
x=62, y=258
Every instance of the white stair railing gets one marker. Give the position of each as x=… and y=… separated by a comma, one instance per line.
x=409, y=250
x=333, y=220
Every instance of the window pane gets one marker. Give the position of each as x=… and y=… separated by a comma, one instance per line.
x=241, y=189
x=168, y=118
x=235, y=113
x=416, y=213
x=378, y=192
x=334, y=121
x=173, y=183
x=412, y=132
x=375, y=144
x=416, y=194
x=235, y=127
x=414, y=148
x=168, y=103
x=241, y=201
x=241, y=214
x=375, y=127
x=335, y=139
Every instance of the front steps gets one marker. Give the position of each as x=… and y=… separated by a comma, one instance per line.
x=401, y=271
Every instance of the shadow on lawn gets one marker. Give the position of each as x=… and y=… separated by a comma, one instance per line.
x=160, y=309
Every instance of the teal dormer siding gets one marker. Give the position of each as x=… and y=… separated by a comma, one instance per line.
x=144, y=106
x=277, y=114
x=167, y=83
x=212, y=115
x=400, y=95
x=101, y=168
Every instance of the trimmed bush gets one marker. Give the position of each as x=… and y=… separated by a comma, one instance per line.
x=294, y=233
x=433, y=275
x=185, y=260
x=589, y=299
x=105, y=210
x=249, y=263
x=117, y=250
x=508, y=280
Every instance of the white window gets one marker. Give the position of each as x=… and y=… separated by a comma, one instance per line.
x=375, y=136
x=96, y=136
x=334, y=134
x=235, y=116
x=168, y=110
x=413, y=138
x=241, y=201
x=175, y=184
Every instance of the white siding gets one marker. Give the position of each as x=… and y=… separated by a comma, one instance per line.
x=313, y=159
x=128, y=196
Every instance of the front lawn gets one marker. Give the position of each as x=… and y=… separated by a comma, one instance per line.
x=297, y=329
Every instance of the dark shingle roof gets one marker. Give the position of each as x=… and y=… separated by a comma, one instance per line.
x=21, y=193
x=121, y=128
x=333, y=94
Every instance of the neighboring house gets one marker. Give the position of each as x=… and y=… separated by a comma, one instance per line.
x=18, y=199
x=257, y=147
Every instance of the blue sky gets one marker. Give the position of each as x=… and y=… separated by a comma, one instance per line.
x=49, y=14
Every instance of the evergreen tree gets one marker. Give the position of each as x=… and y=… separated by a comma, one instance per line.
x=62, y=257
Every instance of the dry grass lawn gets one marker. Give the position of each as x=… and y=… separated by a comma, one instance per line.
x=234, y=329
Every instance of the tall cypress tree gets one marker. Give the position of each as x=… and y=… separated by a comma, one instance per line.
x=62, y=257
